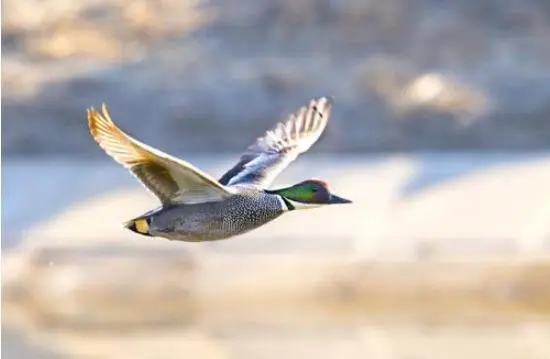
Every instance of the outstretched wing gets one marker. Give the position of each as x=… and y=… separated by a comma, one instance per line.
x=170, y=179
x=271, y=154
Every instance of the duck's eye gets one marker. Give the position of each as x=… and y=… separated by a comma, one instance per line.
x=315, y=189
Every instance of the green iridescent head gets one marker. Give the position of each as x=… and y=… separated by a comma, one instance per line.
x=308, y=194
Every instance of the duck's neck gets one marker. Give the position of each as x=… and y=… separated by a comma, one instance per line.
x=290, y=205
x=286, y=203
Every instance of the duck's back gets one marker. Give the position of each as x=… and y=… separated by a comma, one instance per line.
x=208, y=221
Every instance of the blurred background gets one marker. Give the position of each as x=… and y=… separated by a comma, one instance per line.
x=440, y=133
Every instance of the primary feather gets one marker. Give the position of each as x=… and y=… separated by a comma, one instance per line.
x=170, y=179
x=272, y=153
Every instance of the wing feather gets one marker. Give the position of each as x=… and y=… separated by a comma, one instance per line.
x=172, y=180
x=270, y=154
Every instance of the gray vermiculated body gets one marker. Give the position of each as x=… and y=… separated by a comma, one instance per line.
x=247, y=210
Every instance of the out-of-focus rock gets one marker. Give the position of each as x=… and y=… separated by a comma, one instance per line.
x=105, y=286
x=83, y=40
x=211, y=76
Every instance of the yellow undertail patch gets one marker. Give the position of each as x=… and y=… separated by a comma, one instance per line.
x=142, y=226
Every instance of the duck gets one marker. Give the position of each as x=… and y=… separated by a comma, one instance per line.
x=196, y=207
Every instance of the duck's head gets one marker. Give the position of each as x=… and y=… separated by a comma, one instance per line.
x=308, y=194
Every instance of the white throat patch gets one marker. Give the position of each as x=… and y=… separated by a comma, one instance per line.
x=297, y=205
x=283, y=203
x=300, y=205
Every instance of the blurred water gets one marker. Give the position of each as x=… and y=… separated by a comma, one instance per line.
x=63, y=182
x=382, y=341
x=33, y=191
x=15, y=346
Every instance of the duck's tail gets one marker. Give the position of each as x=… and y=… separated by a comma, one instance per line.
x=139, y=225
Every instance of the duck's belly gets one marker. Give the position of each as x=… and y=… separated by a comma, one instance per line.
x=211, y=221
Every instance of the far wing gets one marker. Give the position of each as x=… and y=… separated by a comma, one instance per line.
x=270, y=154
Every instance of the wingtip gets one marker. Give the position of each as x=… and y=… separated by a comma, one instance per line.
x=91, y=111
x=329, y=99
x=325, y=102
x=322, y=104
x=90, y=114
x=104, y=108
x=95, y=118
x=92, y=119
